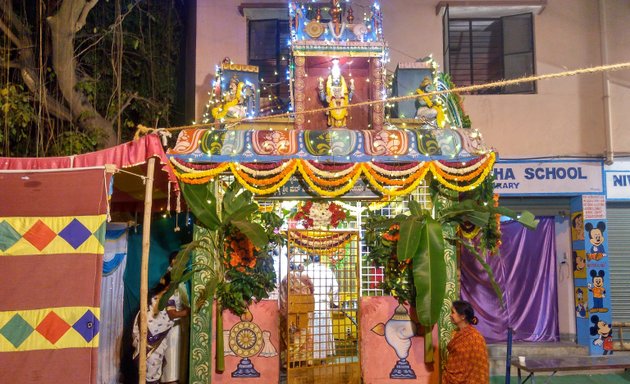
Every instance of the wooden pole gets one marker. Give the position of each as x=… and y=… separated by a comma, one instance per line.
x=144, y=271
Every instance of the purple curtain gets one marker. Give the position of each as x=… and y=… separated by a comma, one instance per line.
x=526, y=272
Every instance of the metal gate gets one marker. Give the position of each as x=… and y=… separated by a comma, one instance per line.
x=322, y=288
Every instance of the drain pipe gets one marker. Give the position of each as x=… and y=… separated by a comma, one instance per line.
x=603, y=39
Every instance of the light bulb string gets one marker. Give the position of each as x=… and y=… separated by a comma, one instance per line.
x=457, y=90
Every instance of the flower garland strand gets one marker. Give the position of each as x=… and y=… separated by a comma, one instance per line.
x=333, y=180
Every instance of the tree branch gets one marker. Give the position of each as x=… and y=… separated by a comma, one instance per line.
x=7, y=31
x=49, y=103
x=26, y=63
x=63, y=26
x=123, y=107
x=83, y=16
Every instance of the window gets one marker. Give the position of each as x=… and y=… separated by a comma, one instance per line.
x=268, y=49
x=485, y=49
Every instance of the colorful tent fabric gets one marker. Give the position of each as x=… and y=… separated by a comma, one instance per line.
x=52, y=235
x=112, y=293
x=129, y=190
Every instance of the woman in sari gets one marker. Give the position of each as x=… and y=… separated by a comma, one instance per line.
x=467, y=353
x=159, y=323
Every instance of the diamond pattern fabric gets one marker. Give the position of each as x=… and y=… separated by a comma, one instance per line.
x=40, y=235
x=53, y=327
x=16, y=330
x=75, y=233
x=51, y=264
x=8, y=236
x=87, y=326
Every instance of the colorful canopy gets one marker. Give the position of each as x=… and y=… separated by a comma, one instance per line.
x=132, y=156
x=331, y=161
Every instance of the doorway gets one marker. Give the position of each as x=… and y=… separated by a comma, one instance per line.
x=322, y=295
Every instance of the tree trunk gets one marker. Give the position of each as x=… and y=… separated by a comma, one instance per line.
x=18, y=34
x=68, y=20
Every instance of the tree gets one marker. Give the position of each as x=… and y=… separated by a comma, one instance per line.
x=79, y=62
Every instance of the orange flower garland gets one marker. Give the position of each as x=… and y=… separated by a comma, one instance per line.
x=240, y=251
x=331, y=180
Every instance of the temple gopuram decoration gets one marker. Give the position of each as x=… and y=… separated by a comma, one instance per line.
x=343, y=140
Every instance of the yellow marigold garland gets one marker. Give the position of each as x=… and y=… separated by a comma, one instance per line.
x=448, y=176
x=308, y=174
x=200, y=177
x=397, y=192
x=266, y=181
x=440, y=169
x=420, y=172
x=464, y=170
x=465, y=188
x=316, y=178
x=274, y=171
x=265, y=191
x=397, y=173
x=322, y=173
x=335, y=193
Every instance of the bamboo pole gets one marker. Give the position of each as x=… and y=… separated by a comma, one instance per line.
x=144, y=271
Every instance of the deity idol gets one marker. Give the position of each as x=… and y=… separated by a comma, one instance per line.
x=336, y=95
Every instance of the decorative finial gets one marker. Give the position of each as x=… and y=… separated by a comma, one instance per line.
x=318, y=14
x=350, y=17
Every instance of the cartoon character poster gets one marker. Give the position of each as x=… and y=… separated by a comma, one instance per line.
x=577, y=226
x=602, y=330
x=579, y=264
x=596, y=250
x=597, y=286
x=581, y=302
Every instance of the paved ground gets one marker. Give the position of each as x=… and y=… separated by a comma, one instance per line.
x=619, y=378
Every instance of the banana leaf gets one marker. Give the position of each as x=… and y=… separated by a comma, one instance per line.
x=415, y=208
x=235, y=198
x=429, y=278
x=429, y=272
x=466, y=210
x=202, y=203
x=242, y=213
x=254, y=232
x=408, y=243
x=486, y=267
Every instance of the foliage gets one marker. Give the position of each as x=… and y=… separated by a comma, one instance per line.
x=17, y=115
x=382, y=241
x=419, y=247
x=457, y=100
x=240, y=242
x=39, y=120
x=153, y=34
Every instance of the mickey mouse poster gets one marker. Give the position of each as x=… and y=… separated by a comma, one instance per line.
x=596, y=286
x=603, y=331
x=596, y=237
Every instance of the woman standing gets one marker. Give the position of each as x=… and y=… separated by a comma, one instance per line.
x=467, y=353
x=159, y=323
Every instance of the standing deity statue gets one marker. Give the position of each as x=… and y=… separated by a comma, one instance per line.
x=336, y=94
x=428, y=107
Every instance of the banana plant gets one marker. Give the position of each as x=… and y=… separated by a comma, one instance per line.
x=219, y=216
x=421, y=242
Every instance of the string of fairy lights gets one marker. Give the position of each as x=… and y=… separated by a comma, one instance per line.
x=273, y=102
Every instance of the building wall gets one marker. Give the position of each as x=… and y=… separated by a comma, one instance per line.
x=564, y=118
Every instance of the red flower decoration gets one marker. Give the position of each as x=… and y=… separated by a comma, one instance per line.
x=320, y=215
